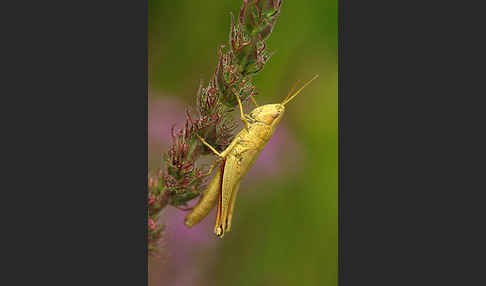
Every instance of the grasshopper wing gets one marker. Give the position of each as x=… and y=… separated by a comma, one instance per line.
x=232, y=207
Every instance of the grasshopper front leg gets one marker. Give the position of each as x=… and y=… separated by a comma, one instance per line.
x=221, y=155
x=242, y=114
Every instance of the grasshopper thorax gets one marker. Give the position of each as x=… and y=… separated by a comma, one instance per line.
x=269, y=114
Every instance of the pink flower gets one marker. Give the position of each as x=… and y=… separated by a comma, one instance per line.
x=151, y=199
x=151, y=224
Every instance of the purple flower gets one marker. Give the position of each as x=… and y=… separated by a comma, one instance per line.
x=163, y=113
x=183, y=248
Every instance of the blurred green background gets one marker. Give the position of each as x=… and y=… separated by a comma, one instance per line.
x=289, y=235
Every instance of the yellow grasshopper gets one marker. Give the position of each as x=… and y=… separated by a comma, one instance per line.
x=237, y=159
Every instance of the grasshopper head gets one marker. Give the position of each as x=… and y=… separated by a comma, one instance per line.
x=270, y=114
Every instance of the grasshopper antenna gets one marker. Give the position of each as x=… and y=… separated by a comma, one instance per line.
x=288, y=99
x=292, y=89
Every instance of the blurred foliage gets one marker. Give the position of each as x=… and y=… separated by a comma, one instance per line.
x=288, y=234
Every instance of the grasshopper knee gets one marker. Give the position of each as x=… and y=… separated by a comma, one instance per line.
x=188, y=222
x=219, y=231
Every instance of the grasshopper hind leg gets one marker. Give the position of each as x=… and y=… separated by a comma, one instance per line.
x=218, y=228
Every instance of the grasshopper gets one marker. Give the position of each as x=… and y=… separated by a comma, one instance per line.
x=236, y=160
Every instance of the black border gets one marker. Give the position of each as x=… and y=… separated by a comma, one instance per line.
x=408, y=130
x=83, y=89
